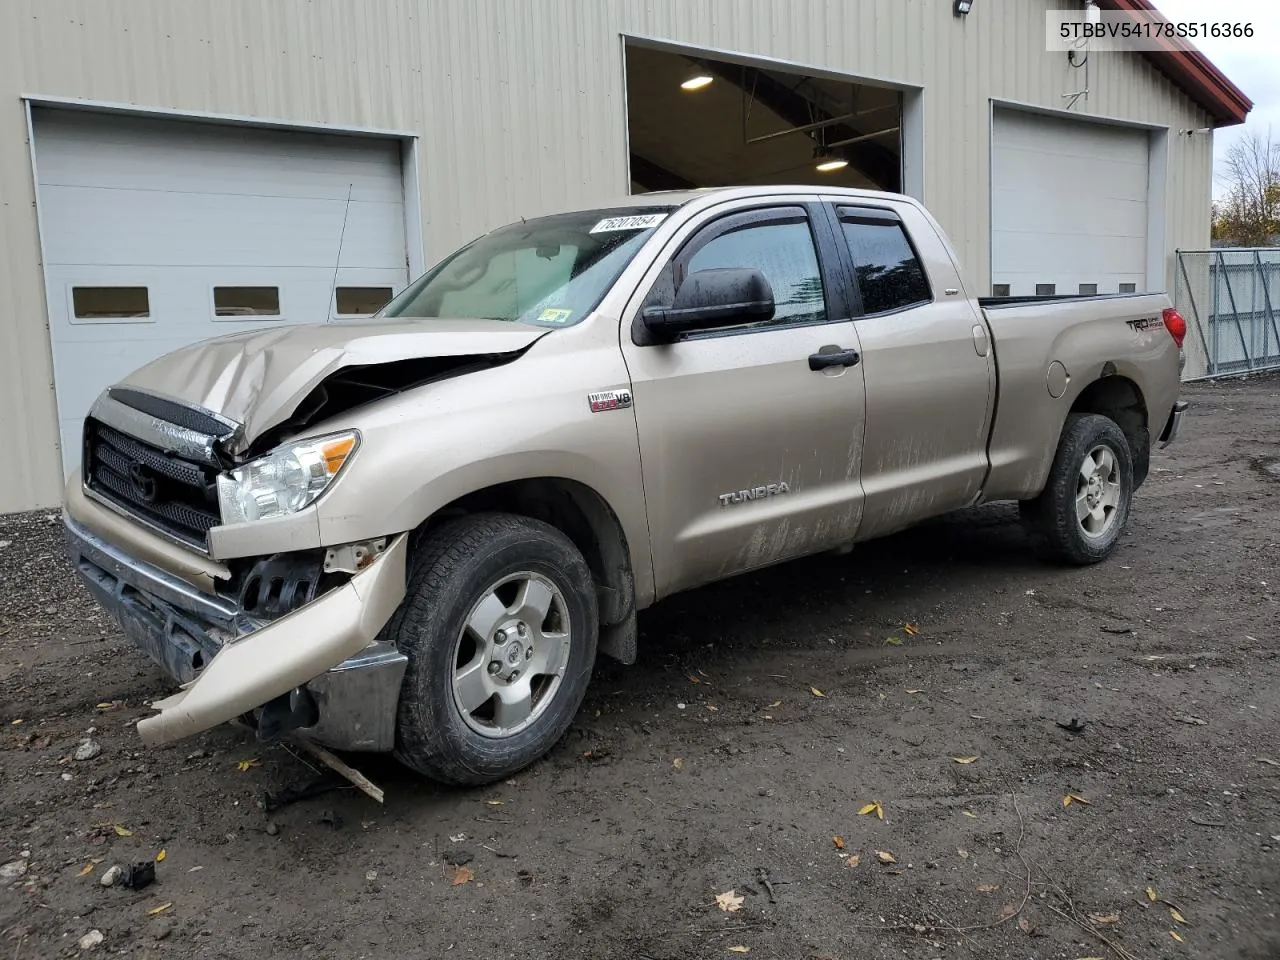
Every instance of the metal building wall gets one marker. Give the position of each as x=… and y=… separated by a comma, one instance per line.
x=520, y=108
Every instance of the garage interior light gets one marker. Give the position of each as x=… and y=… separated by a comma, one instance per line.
x=963, y=7
x=827, y=162
x=697, y=78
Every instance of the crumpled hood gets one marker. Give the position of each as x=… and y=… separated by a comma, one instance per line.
x=258, y=378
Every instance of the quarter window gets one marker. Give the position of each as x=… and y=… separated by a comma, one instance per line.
x=888, y=271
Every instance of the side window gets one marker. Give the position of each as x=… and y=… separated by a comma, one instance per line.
x=783, y=251
x=889, y=273
x=777, y=242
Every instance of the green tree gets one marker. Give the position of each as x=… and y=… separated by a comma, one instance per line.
x=1249, y=215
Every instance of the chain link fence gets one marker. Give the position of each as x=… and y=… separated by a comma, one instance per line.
x=1230, y=298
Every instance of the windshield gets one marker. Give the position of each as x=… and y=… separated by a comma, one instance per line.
x=550, y=272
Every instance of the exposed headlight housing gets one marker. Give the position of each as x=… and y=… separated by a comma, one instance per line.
x=287, y=479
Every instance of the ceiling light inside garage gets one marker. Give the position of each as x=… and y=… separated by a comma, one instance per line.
x=827, y=162
x=696, y=79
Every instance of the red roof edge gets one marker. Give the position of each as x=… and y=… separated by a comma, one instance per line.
x=1191, y=71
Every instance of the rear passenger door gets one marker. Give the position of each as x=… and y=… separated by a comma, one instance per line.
x=927, y=366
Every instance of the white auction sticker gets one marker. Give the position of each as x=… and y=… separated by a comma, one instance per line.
x=641, y=222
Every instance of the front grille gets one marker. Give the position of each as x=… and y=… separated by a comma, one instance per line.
x=178, y=496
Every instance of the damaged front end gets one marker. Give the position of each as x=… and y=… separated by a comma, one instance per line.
x=284, y=640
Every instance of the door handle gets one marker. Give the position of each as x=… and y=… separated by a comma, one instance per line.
x=837, y=358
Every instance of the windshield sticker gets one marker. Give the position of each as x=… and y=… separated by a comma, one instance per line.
x=641, y=222
x=555, y=315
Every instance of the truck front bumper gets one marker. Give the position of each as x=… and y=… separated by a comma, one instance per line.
x=325, y=652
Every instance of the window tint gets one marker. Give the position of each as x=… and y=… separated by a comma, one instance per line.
x=888, y=270
x=110, y=303
x=785, y=254
x=246, y=301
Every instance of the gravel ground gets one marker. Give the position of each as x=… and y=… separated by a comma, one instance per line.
x=765, y=713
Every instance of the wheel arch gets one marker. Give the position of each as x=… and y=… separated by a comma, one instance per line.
x=581, y=514
x=1120, y=399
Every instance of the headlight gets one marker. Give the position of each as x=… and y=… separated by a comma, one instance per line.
x=285, y=480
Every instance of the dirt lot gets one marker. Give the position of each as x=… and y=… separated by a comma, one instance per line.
x=714, y=764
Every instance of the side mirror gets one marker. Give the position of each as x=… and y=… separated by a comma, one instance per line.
x=723, y=297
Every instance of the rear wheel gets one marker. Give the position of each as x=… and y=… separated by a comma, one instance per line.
x=1084, y=507
x=499, y=625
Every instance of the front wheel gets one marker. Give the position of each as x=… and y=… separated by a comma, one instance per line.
x=499, y=624
x=1079, y=516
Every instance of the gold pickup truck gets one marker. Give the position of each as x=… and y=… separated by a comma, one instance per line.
x=414, y=534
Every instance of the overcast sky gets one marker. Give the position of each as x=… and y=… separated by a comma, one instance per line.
x=1252, y=64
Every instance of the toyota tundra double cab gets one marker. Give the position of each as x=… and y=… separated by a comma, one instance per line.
x=415, y=533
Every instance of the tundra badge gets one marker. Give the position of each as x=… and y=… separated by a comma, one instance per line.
x=755, y=493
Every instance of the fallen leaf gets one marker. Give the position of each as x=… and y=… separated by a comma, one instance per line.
x=1008, y=910
x=693, y=679
x=160, y=909
x=969, y=813
x=1105, y=917
x=85, y=870
x=976, y=716
x=1177, y=936
x=1268, y=761
x=739, y=949
x=886, y=857
x=965, y=759
x=776, y=703
x=729, y=901
x=988, y=887
x=160, y=856
x=875, y=806
x=495, y=803
x=816, y=692
x=964, y=854
x=893, y=641
x=852, y=860
x=243, y=765
x=104, y=706
x=462, y=875
x=839, y=842
x=678, y=763
x=712, y=707
x=195, y=869
x=1177, y=916
x=1152, y=895
x=16, y=723
x=1194, y=721
x=1070, y=798
x=1024, y=924
x=121, y=831
x=911, y=629
x=914, y=691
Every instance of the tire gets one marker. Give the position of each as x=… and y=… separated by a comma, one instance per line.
x=510, y=577
x=1078, y=520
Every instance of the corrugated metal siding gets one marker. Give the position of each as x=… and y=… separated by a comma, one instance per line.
x=520, y=107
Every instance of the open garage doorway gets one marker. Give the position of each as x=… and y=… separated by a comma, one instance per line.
x=696, y=121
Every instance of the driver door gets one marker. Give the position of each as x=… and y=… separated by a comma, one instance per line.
x=749, y=449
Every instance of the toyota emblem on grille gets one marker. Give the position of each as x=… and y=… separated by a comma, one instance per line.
x=144, y=484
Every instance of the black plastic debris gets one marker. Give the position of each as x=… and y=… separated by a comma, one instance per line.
x=139, y=875
x=1075, y=726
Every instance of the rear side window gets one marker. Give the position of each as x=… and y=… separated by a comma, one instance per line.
x=888, y=271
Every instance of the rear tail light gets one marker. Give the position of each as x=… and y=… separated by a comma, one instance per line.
x=1176, y=325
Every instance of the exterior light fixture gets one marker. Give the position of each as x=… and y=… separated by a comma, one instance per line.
x=696, y=79
x=963, y=7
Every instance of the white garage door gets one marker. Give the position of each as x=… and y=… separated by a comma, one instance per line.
x=159, y=233
x=1068, y=206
